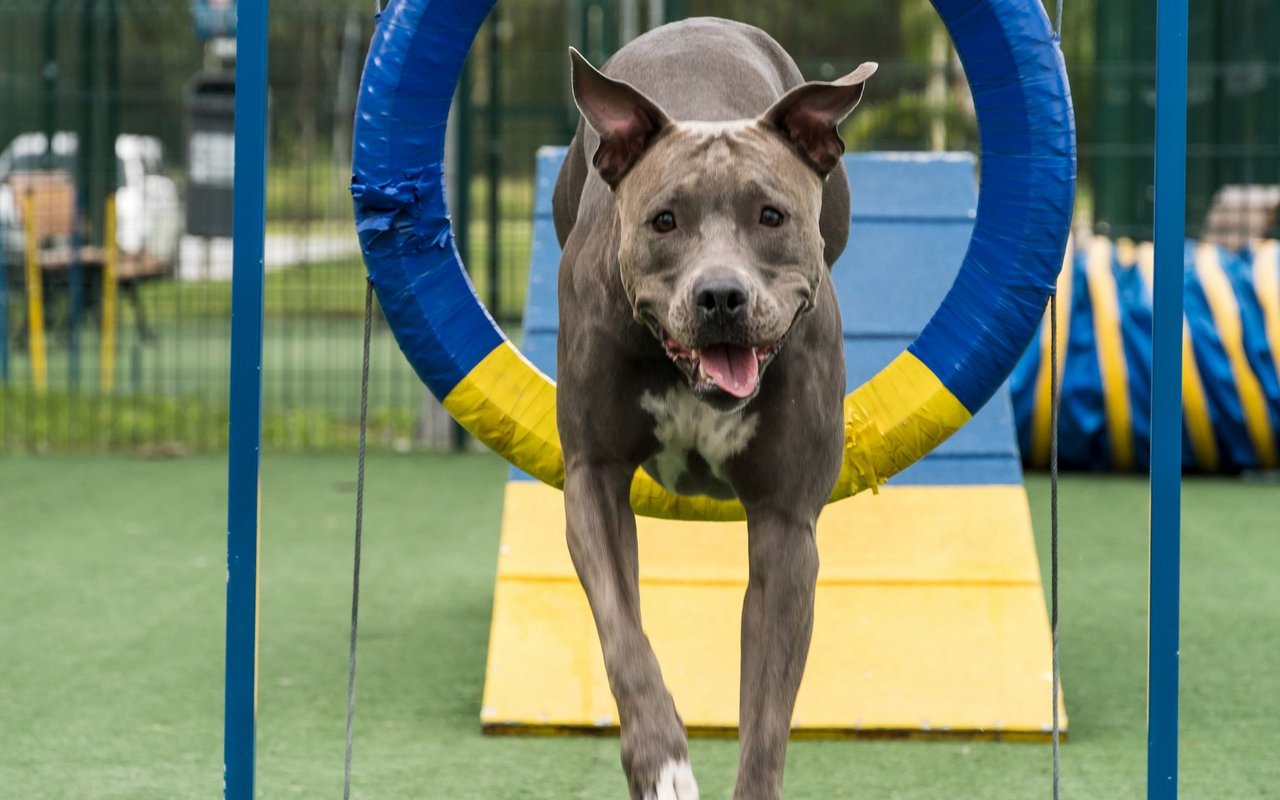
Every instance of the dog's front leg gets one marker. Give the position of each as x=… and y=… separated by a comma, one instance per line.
x=602, y=542
x=777, y=623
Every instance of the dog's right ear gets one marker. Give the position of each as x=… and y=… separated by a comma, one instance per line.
x=626, y=121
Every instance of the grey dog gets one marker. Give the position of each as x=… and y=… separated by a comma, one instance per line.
x=700, y=207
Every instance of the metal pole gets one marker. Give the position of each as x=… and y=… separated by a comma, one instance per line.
x=10, y=108
x=1166, y=398
x=110, y=277
x=657, y=13
x=87, y=163
x=50, y=79
x=4, y=318
x=33, y=274
x=628, y=21
x=113, y=93
x=244, y=460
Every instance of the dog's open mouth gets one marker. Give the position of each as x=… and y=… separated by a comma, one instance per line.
x=734, y=369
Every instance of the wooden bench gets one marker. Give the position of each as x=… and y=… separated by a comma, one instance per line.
x=49, y=197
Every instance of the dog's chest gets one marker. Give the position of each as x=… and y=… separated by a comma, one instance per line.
x=695, y=442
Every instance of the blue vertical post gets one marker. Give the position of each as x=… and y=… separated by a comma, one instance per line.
x=249, y=230
x=1166, y=399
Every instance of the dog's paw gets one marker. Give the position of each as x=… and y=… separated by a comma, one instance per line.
x=675, y=782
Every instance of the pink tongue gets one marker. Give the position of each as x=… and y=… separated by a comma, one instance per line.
x=733, y=368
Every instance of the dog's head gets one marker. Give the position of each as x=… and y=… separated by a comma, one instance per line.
x=720, y=248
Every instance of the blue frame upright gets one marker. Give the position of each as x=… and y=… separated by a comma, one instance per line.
x=244, y=458
x=1166, y=399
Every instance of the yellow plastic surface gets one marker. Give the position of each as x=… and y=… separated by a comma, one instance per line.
x=930, y=620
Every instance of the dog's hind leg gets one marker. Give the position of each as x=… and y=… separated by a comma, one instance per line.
x=602, y=542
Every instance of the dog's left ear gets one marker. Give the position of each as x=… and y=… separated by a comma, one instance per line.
x=626, y=121
x=807, y=116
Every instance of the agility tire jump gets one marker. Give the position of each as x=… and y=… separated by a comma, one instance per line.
x=959, y=360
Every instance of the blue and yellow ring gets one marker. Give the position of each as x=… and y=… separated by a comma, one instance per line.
x=963, y=355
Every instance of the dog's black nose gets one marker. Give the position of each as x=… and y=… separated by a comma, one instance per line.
x=721, y=300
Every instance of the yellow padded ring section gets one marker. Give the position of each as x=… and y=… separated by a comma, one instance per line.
x=890, y=423
x=509, y=405
x=894, y=420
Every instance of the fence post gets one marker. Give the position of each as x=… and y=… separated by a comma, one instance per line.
x=4, y=309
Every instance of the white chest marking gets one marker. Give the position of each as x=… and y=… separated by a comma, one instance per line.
x=683, y=423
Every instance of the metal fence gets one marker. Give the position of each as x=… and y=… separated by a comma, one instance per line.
x=1233, y=116
x=122, y=99
x=132, y=351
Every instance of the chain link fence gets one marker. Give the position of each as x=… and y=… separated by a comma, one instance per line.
x=115, y=142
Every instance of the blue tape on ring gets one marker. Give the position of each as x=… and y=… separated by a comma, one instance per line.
x=972, y=343
x=397, y=186
x=1025, y=120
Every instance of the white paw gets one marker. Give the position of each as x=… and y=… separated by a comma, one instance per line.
x=675, y=782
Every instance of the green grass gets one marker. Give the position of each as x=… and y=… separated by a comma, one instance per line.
x=322, y=289
x=330, y=289
x=111, y=643
x=307, y=190
x=65, y=422
x=173, y=391
x=317, y=191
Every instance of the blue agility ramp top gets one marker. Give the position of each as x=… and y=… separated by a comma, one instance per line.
x=912, y=217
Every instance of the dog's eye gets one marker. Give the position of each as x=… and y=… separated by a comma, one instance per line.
x=771, y=216
x=664, y=222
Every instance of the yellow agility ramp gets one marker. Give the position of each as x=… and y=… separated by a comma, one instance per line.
x=930, y=616
x=930, y=619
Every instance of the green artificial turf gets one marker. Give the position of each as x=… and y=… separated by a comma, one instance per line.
x=111, y=637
